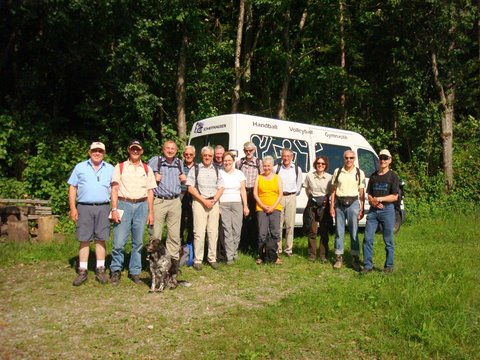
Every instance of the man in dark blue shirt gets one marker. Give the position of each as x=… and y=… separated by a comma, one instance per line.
x=382, y=190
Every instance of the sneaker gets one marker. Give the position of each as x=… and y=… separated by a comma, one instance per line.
x=115, y=277
x=135, y=279
x=197, y=266
x=81, y=277
x=356, y=263
x=338, y=262
x=387, y=270
x=214, y=265
x=366, y=271
x=100, y=275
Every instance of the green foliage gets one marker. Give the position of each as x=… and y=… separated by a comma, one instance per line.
x=13, y=189
x=47, y=171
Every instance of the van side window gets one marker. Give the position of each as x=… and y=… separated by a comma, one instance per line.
x=334, y=154
x=368, y=162
x=270, y=145
x=210, y=140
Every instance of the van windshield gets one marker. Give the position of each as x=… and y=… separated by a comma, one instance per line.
x=368, y=162
x=334, y=154
x=208, y=140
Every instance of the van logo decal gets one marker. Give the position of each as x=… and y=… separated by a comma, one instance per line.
x=198, y=127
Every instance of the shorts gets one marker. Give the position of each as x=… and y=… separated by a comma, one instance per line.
x=93, y=222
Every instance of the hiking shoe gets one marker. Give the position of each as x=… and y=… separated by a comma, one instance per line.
x=81, y=277
x=366, y=271
x=356, y=263
x=100, y=275
x=230, y=262
x=258, y=261
x=115, y=277
x=135, y=279
x=387, y=270
x=214, y=265
x=338, y=262
x=197, y=266
x=323, y=260
x=312, y=258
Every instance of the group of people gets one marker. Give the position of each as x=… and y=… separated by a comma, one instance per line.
x=243, y=204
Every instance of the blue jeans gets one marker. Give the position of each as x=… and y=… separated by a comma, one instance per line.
x=386, y=217
x=349, y=213
x=133, y=221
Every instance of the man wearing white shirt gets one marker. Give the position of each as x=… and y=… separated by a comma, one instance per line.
x=292, y=181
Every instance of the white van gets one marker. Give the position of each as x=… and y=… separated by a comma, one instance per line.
x=271, y=136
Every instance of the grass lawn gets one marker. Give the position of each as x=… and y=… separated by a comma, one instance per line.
x=428, y=308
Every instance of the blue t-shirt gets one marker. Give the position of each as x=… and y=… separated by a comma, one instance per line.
x=92, y=186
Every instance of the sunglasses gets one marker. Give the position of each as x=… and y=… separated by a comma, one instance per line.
x=349, y=157
x=187, y=154
x=319, y=163
x=384, y=157
x=248, y=150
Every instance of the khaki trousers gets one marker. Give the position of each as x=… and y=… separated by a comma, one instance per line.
x=205, y=220
x=169, y=211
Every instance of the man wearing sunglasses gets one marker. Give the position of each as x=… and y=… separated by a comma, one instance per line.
x=89, y=200
x=348, y=186
x=382, y=191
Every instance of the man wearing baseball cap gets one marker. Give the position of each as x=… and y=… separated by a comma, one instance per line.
x=132, y=207
x=89, y=200
x=382, y=190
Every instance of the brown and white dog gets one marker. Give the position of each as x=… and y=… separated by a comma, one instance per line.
x=163, y=268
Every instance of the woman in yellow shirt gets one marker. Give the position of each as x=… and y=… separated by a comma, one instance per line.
x=268, y=193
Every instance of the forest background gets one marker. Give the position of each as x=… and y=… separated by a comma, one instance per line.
x=405, y=74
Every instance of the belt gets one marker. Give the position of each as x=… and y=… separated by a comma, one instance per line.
x=171, y=197
x=132, y=200
x=289, y=193
x=93, y=204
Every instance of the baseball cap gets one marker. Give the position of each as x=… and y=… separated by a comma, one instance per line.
x=97, y=145
x=135, y=143
x=385, y=152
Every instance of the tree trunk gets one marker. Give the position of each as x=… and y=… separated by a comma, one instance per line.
x=342, y=110
x=238, y=53
x=282, y=103
x=180, y=88
x=447, y=103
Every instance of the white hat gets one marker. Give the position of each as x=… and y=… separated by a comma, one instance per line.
x=97, y=145
x=385, y=152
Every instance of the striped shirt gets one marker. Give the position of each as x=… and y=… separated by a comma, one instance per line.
x=208, y=182
x=169, y=184
x=250, y=169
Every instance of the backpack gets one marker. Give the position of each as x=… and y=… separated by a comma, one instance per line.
x=243, y=162
x=197, y=170
x=145, y=167
x=186, y=255
x=338, y=170
x=176, y=160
